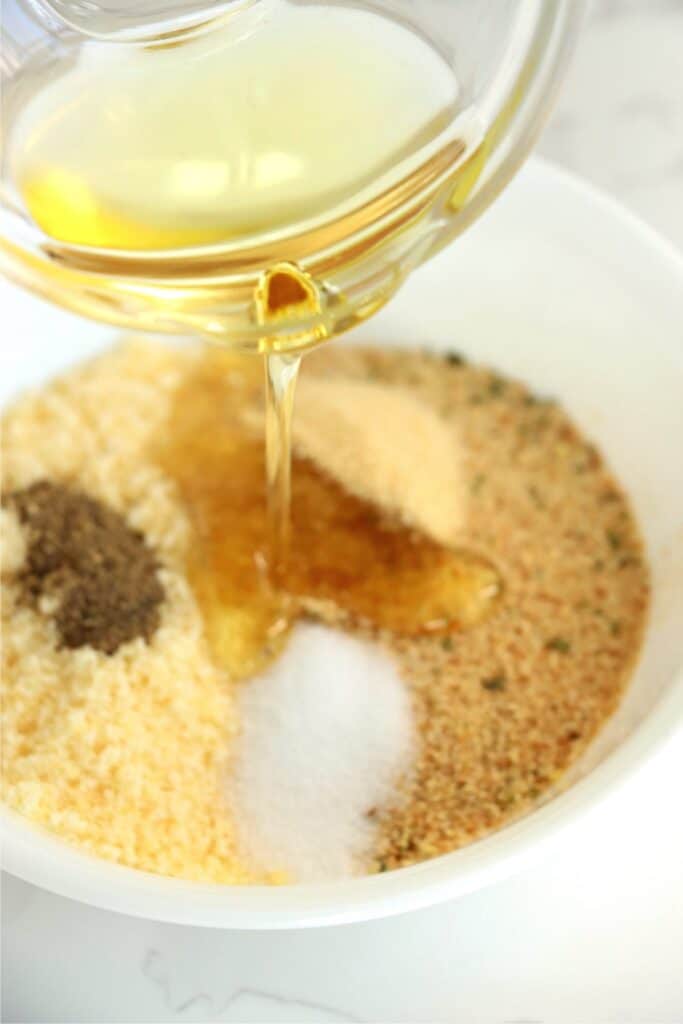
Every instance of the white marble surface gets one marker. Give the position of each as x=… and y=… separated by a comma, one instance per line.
x=595, y=935
x=619, y=118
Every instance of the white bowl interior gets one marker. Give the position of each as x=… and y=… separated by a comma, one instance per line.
x=557, y=286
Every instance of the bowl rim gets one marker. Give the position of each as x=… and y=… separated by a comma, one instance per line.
x=38, y=857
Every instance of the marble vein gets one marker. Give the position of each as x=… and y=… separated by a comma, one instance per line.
x=153, y=967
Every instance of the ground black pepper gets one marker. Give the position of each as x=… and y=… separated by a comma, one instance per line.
x=101, y=573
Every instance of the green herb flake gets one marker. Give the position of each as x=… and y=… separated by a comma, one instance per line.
x=382, y=866
x=531, y=399
x=447, y=643
x=559, y=644
x=536, y=496
x=532, y=430
x=628, y=561
x=615, y=628
x=497, y=386
x=477, y=483
x=613, y=539
x=505, y=798
x=494, y=683
x=455, y=359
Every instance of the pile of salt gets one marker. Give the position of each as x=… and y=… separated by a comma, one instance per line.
x=327, y=733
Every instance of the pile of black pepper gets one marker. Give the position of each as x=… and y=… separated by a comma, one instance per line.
x=102, y=574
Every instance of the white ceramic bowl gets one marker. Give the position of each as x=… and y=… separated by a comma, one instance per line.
x=557, y=285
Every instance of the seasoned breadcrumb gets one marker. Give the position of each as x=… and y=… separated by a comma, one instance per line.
x=504, y=708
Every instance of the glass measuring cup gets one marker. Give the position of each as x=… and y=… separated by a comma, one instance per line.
x=336, y=267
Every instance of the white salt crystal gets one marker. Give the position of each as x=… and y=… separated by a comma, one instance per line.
x=327, y=733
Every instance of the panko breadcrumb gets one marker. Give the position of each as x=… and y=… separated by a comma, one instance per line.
x=121, y=754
